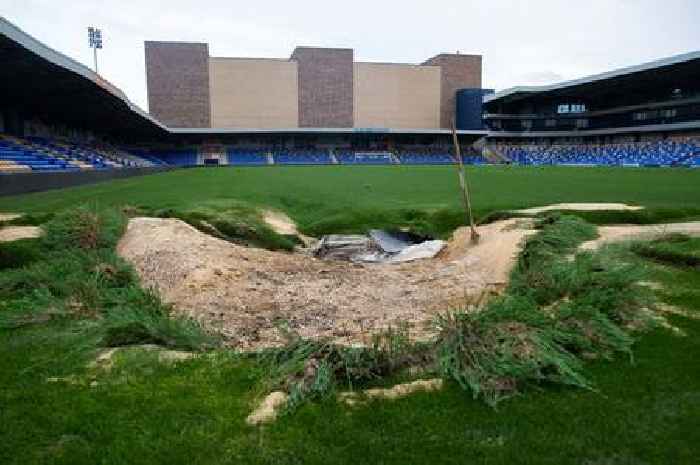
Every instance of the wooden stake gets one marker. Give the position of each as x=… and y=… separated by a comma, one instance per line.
x=464, y=186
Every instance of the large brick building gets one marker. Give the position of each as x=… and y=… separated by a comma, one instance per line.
x=314, y=88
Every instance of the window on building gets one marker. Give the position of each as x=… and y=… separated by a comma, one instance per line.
x=526, y=124
x=550, y=123
x=669, y=113
x=582, y=123
x=571, y=108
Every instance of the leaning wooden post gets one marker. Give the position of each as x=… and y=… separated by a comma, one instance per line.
x=464, y=185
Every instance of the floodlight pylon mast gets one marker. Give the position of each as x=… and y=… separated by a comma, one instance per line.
x=95, y=42
x=463, y=184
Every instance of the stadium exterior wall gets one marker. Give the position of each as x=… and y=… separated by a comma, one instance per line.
x=396, y=95
x=458, y=71
x=25, y=183
x=325, y=87
x=469, y=108
x=177, y=77
x=253, y=93
x=189, y=89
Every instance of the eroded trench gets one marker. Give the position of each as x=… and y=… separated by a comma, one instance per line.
x=343, y=288
x=248, y=294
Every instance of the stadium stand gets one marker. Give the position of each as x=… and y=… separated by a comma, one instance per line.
x=648, y=153
x=168, y=156
x=44, y=154
x=474, y=159
x=247, y=156
x=644, y=115
x=351, y=157
x=428, y=156
x=145, y=157
x=302, y=157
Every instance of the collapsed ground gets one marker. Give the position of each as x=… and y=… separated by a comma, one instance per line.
x=247, y=293
x=250, y=294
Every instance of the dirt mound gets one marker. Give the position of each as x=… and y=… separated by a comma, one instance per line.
x=627, y=232
x=15, y=233
x=247, y=293
x=580, y=207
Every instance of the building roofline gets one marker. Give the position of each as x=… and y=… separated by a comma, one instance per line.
x=183, y=42
x=215, y=131
x=668, y=61
x=51, y=55
x=391, y=63
x=252, y=58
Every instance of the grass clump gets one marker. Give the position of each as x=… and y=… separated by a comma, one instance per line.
x=75, y=274
x=557, y=311
x=671, y=249
x=495, y=352
x=313, y=369
x=16, y=254
x=233, y=221
x=653, y=215
x=540, y=266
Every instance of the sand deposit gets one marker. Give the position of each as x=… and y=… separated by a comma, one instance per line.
x=9, y=216
x=626, y=232
x=15, y=233
x=580, y=207
x=247, y=293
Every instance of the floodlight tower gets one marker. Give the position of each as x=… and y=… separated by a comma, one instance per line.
x=95, y=41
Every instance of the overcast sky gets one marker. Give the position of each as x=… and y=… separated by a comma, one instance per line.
x=523, y=41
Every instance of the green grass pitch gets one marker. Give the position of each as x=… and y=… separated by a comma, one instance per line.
x=643, y=411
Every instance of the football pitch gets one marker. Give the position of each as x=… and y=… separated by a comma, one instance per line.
x=642, y=408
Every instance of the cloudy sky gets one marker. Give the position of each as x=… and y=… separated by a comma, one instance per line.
x=522, y=41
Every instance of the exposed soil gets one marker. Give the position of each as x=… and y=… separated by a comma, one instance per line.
x=279, y=222
x=9, y=216
x=626, y=232
x=395, y=392
x=580, y=207
x=14, y=233
x=282, y=224
x=247, y=293
x=268, y=409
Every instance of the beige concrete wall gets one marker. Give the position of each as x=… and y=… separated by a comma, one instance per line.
x=390, y=95
x=253, y=93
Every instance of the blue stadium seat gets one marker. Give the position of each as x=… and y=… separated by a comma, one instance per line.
x=302, y=157
x=648, y=153
x=425, y=157
x=247, y=156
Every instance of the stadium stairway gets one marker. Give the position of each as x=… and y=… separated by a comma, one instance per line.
x=334, y=159
x=493, y=155
x=490, y=153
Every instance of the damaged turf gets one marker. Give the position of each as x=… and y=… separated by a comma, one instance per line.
x=245, y=293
